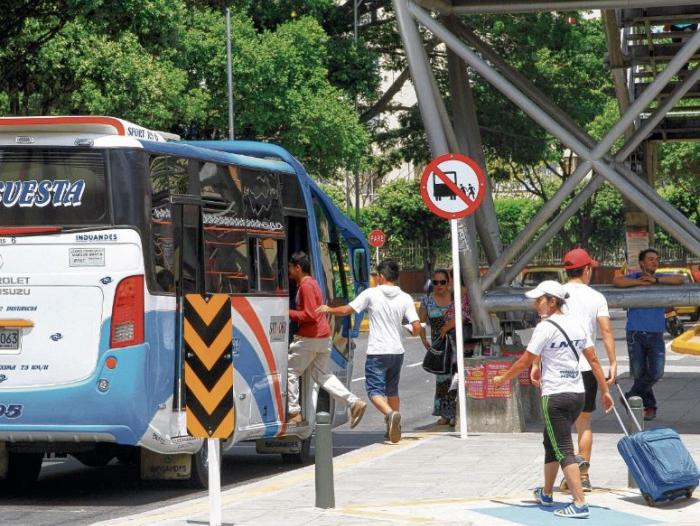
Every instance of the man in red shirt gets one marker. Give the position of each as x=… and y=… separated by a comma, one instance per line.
x=312, y=344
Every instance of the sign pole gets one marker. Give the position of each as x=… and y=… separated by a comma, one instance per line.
x=209, y=361
x=214, y=481
x=461, y=394
x=453, y=186
x=377, y=254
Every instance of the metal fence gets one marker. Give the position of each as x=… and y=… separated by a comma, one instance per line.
x=413, y=256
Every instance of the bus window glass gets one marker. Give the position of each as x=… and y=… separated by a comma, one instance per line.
x=163, y=247
x=52, y=187
x=269, y=270
x=359, y=267
x=168, y=175
x=335, y=286
x=225, y=245
x=261, y=198
x=222, y=185
x=324, y=238
x=291, y=192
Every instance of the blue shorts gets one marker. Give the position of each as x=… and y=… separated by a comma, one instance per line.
x=382, y=373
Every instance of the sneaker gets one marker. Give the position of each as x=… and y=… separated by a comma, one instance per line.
x=586, y=483
x=563, y=486
x=357, y=411
x=583, y=464
x=649, y=413
x=542, y=498
x=393, y=426
x=572, y=511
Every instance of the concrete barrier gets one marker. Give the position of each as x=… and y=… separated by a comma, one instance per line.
x=494, y=415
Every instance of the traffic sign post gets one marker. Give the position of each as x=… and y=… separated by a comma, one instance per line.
x=376, y=239
x=208, y=335
x=452, y=187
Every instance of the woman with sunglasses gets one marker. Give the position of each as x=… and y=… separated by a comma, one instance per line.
x=437, y=309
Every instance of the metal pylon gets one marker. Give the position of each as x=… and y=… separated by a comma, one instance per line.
x=465, y=48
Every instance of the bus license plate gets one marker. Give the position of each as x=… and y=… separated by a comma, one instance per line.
x=9, y=339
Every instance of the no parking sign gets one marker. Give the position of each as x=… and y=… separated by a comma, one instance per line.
x=453, y=186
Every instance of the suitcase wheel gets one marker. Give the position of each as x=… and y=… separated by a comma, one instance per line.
x=650, y=502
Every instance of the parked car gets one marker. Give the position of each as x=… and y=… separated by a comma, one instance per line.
x=693, y=311
x=533, y=276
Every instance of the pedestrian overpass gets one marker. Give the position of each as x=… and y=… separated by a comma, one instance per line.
x=653, y=55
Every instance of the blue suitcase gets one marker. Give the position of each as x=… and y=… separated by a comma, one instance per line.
x=659, y=463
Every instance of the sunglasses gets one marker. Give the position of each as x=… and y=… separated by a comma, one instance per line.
x=439, y=282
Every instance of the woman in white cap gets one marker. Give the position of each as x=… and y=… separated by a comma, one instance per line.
x=559, y=340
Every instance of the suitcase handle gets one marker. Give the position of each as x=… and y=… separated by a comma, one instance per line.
x=629, y=410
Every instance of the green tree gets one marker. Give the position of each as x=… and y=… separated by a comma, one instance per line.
x=513, y=214
x=401, y=213
x=162, y=64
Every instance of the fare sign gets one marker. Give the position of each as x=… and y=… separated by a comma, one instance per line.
x=376, y=238
x=453, y=186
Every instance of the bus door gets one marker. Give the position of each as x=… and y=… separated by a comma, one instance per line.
x=334, y=252
x=189, y=275
x=178, y=245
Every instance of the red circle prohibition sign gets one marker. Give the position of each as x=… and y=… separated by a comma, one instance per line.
x=456, y=179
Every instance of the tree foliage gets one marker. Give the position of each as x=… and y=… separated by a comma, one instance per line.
x=162, y=64
x=513, y=214
x=401, y=213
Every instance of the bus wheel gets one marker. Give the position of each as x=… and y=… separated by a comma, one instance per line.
x=199, y=476
x=98, y=457
x=128, y=455
x=304, y=455
x=23, y=470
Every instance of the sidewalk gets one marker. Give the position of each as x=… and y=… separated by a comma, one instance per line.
x=433, y=477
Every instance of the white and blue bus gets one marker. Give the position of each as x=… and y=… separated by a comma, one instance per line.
x=104, y=226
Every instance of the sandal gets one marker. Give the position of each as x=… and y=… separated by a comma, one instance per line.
x=443, y=421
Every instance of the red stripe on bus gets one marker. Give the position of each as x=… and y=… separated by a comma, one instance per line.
x=22, y=230
x=110, y=121
x=245, y=309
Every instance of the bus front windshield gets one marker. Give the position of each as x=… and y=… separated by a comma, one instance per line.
x=61, y=187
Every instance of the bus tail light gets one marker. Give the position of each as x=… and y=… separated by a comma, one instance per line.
x=127, y=313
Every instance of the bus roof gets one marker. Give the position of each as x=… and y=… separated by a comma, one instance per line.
x=64, y=130
x=195, y=151
x=80, y=124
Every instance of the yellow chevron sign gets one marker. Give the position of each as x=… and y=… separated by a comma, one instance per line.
x=208, y=334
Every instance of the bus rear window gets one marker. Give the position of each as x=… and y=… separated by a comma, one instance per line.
x=52, y=187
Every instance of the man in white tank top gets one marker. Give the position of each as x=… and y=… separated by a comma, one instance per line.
x=591, y=308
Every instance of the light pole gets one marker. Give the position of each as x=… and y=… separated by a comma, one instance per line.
x=229, y=65
x=355, y=5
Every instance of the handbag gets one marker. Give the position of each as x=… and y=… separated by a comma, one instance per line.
x=438, y=361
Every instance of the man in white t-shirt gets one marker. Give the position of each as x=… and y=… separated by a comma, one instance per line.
x=591, y=308
x=387, y=306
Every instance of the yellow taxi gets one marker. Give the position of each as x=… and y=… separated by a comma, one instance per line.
x=533, y=276
x=686, y=310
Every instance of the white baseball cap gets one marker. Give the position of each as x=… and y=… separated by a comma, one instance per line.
x=549, y=287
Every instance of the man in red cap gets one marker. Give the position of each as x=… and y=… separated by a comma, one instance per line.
x=591, y=308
